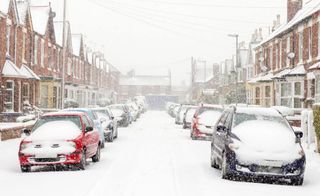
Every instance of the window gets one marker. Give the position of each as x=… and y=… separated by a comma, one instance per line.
x=297, y=95
x=69, y=66
x=280, y=54
x=270, y=58
x=277, y=57
x=42, y=53
x=288, y=51
x=257, y=97
x=286, y=97
x=35, y=58
x=23, y=46
x=25, y=92
x=9, y=101
x=310, y=43
x=267, y=96
x=50, y=57
x=8, y=33
x=300, y=46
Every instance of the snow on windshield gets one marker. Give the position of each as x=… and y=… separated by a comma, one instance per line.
x=190, y=114
x=55, y=130
x=209, y=117
x=117, y=112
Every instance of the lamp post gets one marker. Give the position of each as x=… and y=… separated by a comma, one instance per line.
x=236, y=36
x=63, y=53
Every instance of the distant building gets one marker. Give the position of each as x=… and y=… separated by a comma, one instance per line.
x=131, y=85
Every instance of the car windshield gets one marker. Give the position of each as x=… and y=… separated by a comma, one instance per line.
x=90, y=113
x=49, y=119
x=102, y=115
x=104, y=112
x=243, y=117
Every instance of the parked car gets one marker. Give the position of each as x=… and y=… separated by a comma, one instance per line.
x=108, y=122
x=257, y=143
x=93, y=116
x=188, y=116
x=204, y=120
x=175, y=110
x=60, y=138
x=180, y=114
x=121, y=113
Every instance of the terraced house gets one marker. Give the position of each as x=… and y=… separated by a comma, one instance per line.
x=31, y=61
x=287, y=61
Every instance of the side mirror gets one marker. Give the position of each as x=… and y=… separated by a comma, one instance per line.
x=27, y=132
x=89, y=129
x=112, y=117
x=222, y=129
x=298, y=134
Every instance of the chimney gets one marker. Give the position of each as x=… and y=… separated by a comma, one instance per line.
x=293, y=6
x=278, y=20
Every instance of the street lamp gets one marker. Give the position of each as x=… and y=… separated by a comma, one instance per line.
x=237, y=61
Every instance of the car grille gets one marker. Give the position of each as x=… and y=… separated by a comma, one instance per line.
x=266, y=169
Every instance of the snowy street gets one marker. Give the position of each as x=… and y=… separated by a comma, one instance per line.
x=152, y=157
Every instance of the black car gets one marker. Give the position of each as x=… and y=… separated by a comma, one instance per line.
x=257, y=143
x=108, y=123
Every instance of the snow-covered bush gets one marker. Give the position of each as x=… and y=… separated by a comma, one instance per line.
x=316, y=122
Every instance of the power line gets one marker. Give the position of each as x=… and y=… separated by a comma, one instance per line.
x=186, y=15
x=146, y=17
x=212, y=5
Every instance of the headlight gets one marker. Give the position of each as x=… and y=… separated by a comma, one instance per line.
x=233, y=146
x=25, y=145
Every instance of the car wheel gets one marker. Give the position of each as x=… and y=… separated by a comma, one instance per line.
x=116, y=136
x=83, y=161
x=96, y=157
x=184, y=126
x=297, y=181
x=213, y=160
x=110, y=137
x=224, y=168
x=25, y=168
x=193, y=137
x=102, y=145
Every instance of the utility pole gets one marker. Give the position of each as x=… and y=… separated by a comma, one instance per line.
x=63, y=53
x=237, y=63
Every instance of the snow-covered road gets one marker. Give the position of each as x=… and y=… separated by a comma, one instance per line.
x=152, y=157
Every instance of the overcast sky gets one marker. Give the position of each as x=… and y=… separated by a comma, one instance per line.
x=153, y=36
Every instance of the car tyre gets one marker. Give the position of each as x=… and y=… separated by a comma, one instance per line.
x=110, y=137
x=224, y=168
x=25, y=168
x=297, y=181
x=213, y=160
x=83, y=161
x=96, y=157
x=116, y=136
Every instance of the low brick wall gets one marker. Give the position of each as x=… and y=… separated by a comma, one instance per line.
x=12, y=133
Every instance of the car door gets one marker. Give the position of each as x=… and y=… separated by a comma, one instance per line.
x=219, y=135
x=89, y=137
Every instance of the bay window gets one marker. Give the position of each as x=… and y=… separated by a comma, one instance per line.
x=9, y=99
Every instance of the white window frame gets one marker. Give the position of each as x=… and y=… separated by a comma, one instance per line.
x=12, y=94
x=27, y=97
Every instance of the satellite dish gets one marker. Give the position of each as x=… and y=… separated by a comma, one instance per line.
x=291, y=55
x=264, y=68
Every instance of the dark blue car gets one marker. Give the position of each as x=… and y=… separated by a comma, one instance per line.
x=257, y=143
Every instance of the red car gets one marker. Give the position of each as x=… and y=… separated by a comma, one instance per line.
x=204, y=120
x=62, y=138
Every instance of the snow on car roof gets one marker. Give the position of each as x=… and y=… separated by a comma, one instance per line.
x=64, y=113
x=258, y=111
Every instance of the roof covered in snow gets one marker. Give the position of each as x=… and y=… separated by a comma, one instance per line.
x=26, y=71
x=58, y=30
x=145, y=81
x=308, y=9
x=22, y=7
x=11, y=70
x=4, y=6
x=76, y=44
x=40, y=17
x=298, y=70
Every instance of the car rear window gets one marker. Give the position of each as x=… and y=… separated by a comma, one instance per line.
x=47, y=119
